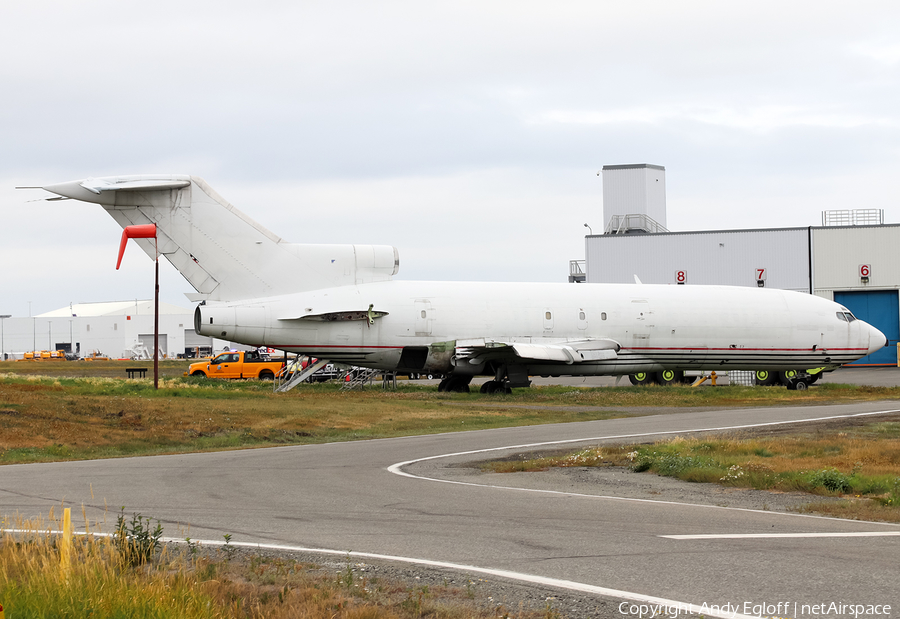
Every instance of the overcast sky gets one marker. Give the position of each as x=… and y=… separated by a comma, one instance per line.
x=467, y=134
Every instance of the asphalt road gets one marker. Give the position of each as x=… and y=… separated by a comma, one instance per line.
x=360, y=497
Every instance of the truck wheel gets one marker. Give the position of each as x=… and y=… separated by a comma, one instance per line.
x=798, y=385
x=766, y=378
x=198, y=374
x=669, y=377
x=641, y=378
x=787, y=377
x=266, y=375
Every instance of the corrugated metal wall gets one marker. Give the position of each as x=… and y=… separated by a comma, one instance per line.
x=634, y=189
x=729, y=257
x=838, y=253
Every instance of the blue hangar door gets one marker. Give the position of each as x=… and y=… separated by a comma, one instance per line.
x=880, y=309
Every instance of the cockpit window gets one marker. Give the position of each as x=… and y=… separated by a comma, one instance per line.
x=841, y=316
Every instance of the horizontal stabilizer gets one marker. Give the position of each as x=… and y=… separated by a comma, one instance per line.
x=96, y=185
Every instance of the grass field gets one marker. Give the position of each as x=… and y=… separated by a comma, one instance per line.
x=71, y=410
x=58, y=410
x=99, y=579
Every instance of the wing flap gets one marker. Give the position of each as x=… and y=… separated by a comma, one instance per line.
x=481, y=350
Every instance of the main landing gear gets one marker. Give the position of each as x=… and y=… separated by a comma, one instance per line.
x=495, y=386
x=505, y=378
x=455, y=384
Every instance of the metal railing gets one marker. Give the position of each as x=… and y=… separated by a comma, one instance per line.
x=853, y=217
x=620, y=224
x=577, y=271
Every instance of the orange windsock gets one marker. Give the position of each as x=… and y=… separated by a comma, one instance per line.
x=143, y=231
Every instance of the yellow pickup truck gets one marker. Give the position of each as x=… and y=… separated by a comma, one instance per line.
x=236, y=365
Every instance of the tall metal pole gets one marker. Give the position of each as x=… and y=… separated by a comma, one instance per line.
x=146, y=231
x=156, y=326
x=3, y=318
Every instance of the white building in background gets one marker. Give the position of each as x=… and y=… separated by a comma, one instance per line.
x=117, y=329
x=850, y=258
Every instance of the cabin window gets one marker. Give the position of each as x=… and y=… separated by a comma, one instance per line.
x=210, y=320
x=423, y=313
x=115, y=326
x=581, y=316
x=602, y=315
x=547, y=315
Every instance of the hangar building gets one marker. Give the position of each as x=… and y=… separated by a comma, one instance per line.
x=850, y=258
x=118, y=329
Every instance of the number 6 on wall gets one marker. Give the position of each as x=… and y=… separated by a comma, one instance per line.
x=865, y=271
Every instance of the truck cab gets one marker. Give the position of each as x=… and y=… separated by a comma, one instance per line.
x=236, y=364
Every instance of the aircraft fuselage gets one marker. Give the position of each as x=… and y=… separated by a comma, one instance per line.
x=657, y=327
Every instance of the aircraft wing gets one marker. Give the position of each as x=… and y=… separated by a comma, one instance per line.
x=368, y=315
x=478, y=351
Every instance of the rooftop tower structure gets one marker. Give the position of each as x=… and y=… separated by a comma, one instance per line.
x=634, y=198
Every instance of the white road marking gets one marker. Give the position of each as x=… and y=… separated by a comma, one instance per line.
x=780, y=535
x=684, y=607
x=397, y=469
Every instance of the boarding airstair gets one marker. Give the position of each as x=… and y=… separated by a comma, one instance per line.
x=294, y=373
x=357, y=378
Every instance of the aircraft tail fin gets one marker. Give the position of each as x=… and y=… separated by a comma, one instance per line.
x=225, y=255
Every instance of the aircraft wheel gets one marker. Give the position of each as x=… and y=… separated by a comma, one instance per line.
x=641, y=378
x=456, y=384
x=488, y=387
x=766, y=378
x=787, y=377
x=669, y=377
x=798, y=385
x=493, y=386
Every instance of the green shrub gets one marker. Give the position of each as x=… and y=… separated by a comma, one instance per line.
x=830, y=479
x=136, y=542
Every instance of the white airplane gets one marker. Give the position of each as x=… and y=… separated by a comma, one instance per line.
x=339, y=303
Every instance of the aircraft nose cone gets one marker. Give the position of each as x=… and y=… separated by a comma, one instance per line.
x=877, y=339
